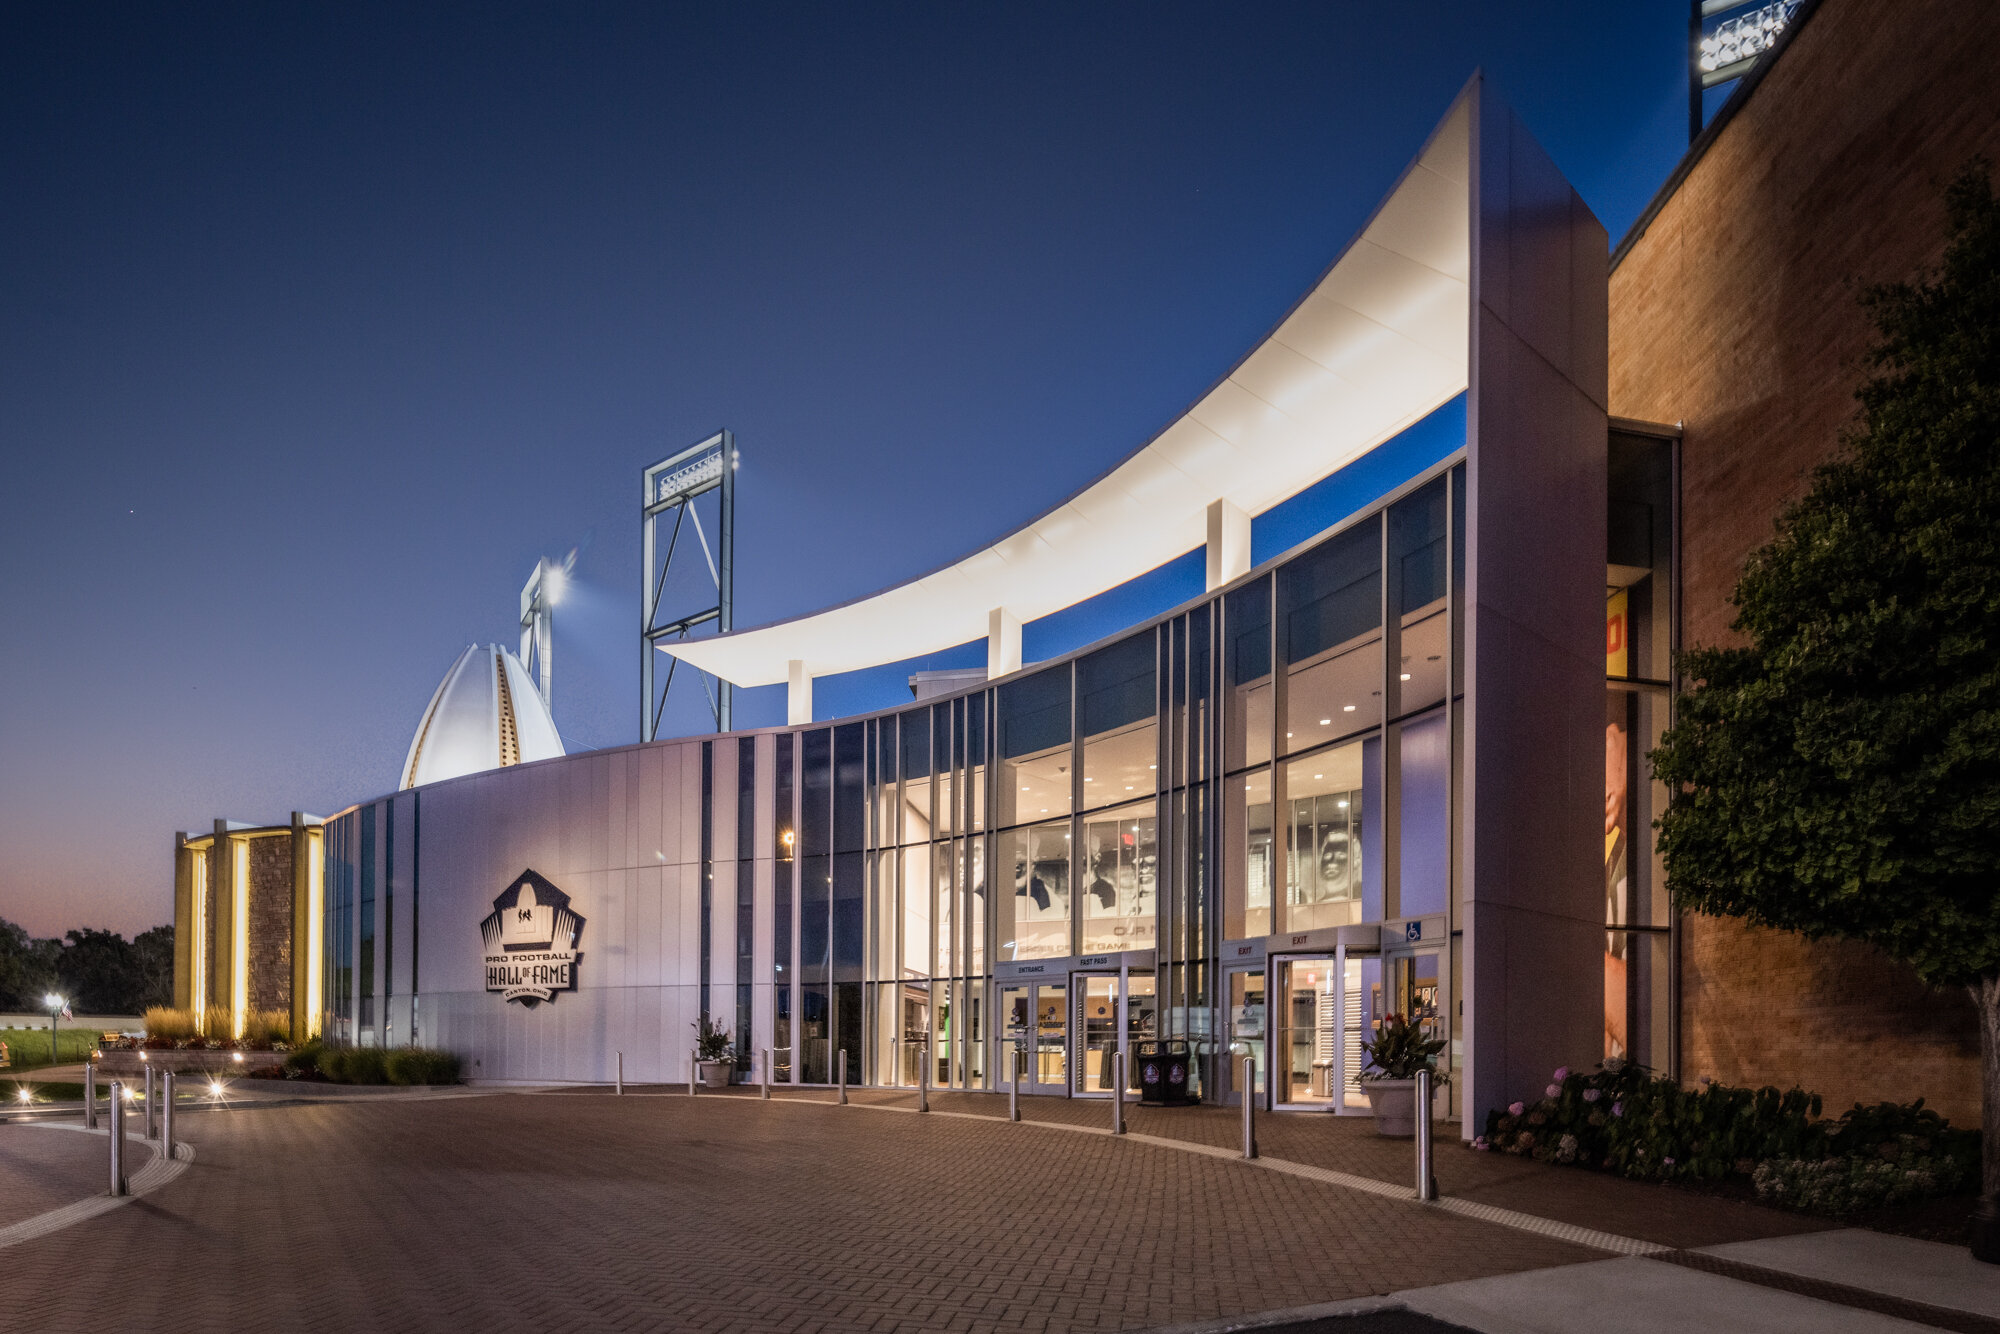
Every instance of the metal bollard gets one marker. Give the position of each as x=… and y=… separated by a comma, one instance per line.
x=767, y=1074
x=1014, y=1089
x=118, y=1185
x=1249, y=1106
x=843, y=1076
x=923, y=1076
x=167, y=1113
x=152, y=1125
x=90, y=1095
x=694, y=1068
x=1427, y=1187
x=1117, y=1092
x=621, y=1074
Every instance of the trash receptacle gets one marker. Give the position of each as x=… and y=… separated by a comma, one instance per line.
x=1174, y=1080
x=1152, y=1063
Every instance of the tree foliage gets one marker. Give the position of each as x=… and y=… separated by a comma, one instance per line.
x=1839, y=775
x=98, y=971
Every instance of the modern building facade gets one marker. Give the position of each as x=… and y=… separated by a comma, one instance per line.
x=1354, y=780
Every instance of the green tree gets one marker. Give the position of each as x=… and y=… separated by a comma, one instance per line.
x=1839, y=776
x=27, y=968
x=153, y=953
x=98, y=972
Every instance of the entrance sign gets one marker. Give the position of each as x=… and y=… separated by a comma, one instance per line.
x=531, y=941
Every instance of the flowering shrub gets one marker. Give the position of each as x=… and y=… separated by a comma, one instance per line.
x=1837, y=1186
x=1622, y=1118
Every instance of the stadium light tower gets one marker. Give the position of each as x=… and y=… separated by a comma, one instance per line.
x=671, y=487
x=545, y=588
x=1725, y=40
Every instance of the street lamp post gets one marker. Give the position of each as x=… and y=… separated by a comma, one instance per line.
x=55, y=1004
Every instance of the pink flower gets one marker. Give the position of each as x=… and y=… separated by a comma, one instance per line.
x=1618, y=1108
x=1706, y=1080
x=1667, y=1161
x=1555, y=1090
x=1516, y=1108
x=1562, y=1073
x=1591, y=1095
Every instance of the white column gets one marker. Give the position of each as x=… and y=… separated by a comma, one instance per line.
x=1228, y=543
x=1003, y=643
x=798, y=693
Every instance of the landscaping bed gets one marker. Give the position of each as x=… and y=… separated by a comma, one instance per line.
x=1898, y=1167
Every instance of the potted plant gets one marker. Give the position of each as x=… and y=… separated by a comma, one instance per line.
x=713, y=1053
x=1399, y=1049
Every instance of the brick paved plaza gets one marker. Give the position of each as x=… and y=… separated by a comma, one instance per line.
x=583, y=1211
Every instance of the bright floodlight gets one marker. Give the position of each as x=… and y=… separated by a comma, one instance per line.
x=214, y=1088
x=554, y=583
x=25, y=1096
x=53, y=1001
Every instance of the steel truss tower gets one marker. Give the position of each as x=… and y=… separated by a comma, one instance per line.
x=671, y=487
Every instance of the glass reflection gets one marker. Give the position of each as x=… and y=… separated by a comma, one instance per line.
x=1120, y=895
x=1323, y=861
x=1034, y=919
x=1246, y=908
x=1247, y=662
x=1034, y=747
x=1423, y=673
x=1333, y=694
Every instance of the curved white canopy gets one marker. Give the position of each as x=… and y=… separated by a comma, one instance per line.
x=1377, y=344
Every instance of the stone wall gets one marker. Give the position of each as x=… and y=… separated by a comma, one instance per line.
x=271, y=923
x=1735, y=314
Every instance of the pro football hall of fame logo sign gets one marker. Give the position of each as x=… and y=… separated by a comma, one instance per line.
x=531, y=941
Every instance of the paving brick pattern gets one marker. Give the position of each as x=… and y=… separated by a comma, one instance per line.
x=1669, y=1216
x=43, y=1169
x=523, y=1211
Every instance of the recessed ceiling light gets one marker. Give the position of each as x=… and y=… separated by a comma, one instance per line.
x=1342, y=805
x=1319, y=775
x=1347, y=708
x=1152, y=766
x=1326, y=722
x=1406, y=676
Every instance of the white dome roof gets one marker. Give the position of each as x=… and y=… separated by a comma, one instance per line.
x=486, y=714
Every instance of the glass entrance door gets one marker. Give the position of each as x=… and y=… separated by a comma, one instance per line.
x=1307, y=1053
x=1246, y=1033
x=1106, y=1023
x=916, y=1029
x=1048, y=1063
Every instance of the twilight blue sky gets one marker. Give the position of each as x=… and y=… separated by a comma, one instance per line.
x=319, y=324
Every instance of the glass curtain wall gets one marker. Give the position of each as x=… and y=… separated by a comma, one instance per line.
x=785, y=844
x=1638, y=645
x=815, y=1016
x=1032, y=848
x=746, y=892
x=1118, y=716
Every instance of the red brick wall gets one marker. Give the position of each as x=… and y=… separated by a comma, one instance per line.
x=1735, y=314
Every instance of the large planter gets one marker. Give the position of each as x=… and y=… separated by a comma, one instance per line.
x=1394, y=1102
x=715, y=1074
x=193, y=1060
